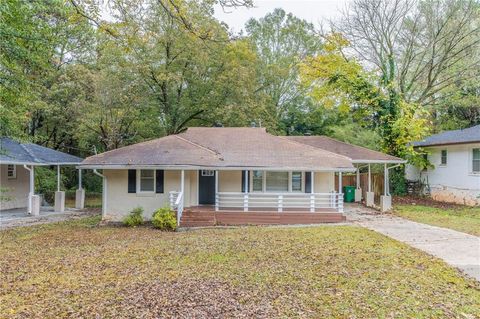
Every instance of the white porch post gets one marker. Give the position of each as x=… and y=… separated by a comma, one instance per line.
x=245, y=195
x=216, y=191
x=182, y=181
x=358, y=190
x=370, y=195
x=312, y=195
x=59, y=195
x=80, y=193
x=340, y=191
x=386, y=199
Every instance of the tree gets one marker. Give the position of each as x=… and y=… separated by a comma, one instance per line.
x=282, y=41
x=188, y=77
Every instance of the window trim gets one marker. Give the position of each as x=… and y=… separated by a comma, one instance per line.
x=14, y=171
x=139, y=181
x=441, y=157
x=472, y=172
x=264, y=182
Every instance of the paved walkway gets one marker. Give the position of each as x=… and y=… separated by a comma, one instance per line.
x=19, y=217
x=455, y=248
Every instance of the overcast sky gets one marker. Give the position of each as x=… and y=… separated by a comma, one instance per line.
x=314, y=11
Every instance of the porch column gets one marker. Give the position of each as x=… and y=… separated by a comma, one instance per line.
x=245, y=194
x=33, y=200
x=386, y=199
x=216, y=191
x=80, y=193
x=340, y=190
x=59, y=195
x=358, y=190
x=370, y=200
x=312, y=195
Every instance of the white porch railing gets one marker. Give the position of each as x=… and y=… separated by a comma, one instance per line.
x=279, y=201
x=176, y=203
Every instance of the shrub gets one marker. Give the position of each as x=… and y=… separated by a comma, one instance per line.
x=164, y=219
x=135, y=217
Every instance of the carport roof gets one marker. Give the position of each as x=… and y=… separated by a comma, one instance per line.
x=13, y=152
x=358, y=154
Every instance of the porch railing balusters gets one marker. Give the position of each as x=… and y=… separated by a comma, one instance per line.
x=312, y=203
x=245, y=202
x=280, y=203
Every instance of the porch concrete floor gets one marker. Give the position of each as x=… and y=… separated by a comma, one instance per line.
x=19, y=217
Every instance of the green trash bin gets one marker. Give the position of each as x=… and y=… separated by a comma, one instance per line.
x=349, y=194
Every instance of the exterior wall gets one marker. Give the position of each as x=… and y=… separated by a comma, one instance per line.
x=455, y=181
x=120, y=202
x=17, y=189
x=230, y=181
x=324, y=182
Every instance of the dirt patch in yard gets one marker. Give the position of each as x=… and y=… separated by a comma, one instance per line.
x=424, y=201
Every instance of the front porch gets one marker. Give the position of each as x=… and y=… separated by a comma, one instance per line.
x=257, y=204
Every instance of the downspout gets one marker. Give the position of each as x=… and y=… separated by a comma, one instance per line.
x=32, y=187
x=104, y=192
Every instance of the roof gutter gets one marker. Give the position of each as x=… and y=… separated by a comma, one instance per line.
x=221, y=168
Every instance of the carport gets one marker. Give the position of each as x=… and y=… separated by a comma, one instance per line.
x=17, y=175
x=361, y=158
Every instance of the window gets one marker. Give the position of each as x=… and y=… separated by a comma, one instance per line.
x=257, y=181
x=443, y=157
x=206, y=172
x=11, y=171
x=277, y=182
x=296, y=181
x=147, y=181
x=476, y=160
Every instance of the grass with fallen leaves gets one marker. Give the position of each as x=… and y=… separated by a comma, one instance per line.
x=79, y=269
x=461, y=218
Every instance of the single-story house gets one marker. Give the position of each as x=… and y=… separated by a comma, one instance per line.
x=17, y=171
x=455, y=172
x=230, y=176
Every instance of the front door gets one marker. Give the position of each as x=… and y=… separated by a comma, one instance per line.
x=206, y=187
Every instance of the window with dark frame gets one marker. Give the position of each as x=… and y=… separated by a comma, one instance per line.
x=476, y=160
x=257, y=181
x=11, y=171
x=443, y=157
x=297, y=181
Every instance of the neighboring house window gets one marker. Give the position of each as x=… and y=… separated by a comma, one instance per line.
x=206, y=172
x=476, y=160
x=443, y=157
x=11, y=171
x=296, y=181
x=257, y=181
x=147, y=181
x=277, y=182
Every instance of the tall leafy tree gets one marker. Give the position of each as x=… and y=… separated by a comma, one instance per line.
x=282, y=41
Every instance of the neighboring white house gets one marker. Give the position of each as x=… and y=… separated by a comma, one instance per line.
x=455, y=156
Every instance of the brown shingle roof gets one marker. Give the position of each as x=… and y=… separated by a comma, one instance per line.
x=356, y=153
x=224, y=147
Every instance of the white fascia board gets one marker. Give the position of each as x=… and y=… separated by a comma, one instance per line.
x=222, y=168
x=378, y=161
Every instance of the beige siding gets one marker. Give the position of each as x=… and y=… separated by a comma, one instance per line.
x=324, y=182
x=17, y=188
x=230, y=181
x=120, y=202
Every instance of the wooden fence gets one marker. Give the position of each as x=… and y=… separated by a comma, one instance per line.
x=351, y=180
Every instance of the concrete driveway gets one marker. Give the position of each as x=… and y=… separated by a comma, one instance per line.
x=455, y=248
x=19, y=217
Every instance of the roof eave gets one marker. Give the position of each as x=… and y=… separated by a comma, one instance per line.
x=361, y=161
x=195, y=167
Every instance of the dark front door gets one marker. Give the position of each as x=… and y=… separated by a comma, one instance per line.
x=206, y=187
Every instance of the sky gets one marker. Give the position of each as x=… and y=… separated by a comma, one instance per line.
x=314, y=11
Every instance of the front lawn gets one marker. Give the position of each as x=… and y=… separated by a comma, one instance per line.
x=79, y=269
x=461, y=218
